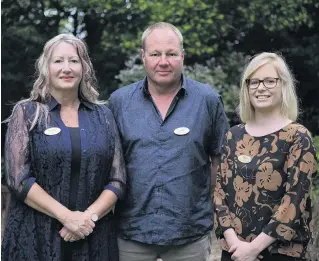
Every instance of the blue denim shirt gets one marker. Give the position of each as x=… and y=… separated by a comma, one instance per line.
x=168, y=200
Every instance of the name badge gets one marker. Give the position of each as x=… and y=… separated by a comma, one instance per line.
x=52, y=131
x=181, y=131
x=244, y=158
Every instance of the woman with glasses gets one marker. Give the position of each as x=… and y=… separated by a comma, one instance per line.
x=262, y=203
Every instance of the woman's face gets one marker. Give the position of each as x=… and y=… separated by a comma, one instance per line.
x=265, y=96
x=65, y=68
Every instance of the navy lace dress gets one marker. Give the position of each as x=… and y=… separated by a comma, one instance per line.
x=32, y=156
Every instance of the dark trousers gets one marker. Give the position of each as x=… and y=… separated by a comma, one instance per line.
x=227, y=257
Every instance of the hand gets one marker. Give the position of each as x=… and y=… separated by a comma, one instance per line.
x=231, y=237
x=232, y=241
x=244, y=251
x=79, y=223
x=67, y=235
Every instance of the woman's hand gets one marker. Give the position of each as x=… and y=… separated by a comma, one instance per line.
x=244, y=251
x=67, y=235
x=79, y=223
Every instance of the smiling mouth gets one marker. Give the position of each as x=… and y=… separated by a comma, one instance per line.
x=262, y=97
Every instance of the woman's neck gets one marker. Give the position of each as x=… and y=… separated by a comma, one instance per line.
x=265, y=123
x=67, y=98
x=268, y=116
x=268, y=119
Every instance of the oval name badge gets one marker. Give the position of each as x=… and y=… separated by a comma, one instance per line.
x=52, y=131
x=181, y=131
x=244, y=158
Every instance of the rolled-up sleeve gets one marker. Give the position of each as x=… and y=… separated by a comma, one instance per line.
x=301, y=168
x=117, y=180
x=18, y=174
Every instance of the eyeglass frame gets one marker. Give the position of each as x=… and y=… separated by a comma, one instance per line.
x=267, y=78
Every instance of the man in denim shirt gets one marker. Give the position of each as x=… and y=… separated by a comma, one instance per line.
x=172, y=129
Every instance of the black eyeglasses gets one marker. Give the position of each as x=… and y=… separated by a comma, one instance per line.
x=269, y=83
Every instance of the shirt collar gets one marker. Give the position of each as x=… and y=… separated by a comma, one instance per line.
x=53, y=103
x=146, y=92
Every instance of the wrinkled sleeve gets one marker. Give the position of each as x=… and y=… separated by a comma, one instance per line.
x=301, y=167
x=113, y=104
x=117, y=180
x=220, y=127
x=18, y=175
x=224, y=172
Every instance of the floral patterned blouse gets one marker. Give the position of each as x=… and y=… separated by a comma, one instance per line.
x=263, y=185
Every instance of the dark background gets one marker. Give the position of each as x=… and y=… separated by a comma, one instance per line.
x=220, y=35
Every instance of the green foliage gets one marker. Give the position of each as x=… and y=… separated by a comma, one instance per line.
x=216, y=77
x=208, y=26
x=316, y=142
x=227, y=30
x=133, y=71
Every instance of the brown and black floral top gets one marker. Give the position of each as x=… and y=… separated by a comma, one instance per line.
x=263, y=185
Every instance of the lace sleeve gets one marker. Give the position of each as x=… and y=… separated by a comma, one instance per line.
x=117, y=180
x=17, y=156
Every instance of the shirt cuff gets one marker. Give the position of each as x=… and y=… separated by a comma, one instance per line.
x=28, y=184
x=219, y=231
x=279, y=231
x=116, y=191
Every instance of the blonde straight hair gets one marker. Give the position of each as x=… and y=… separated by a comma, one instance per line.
x=289, y=101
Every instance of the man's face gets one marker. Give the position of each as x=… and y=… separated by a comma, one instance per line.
x=163, y=58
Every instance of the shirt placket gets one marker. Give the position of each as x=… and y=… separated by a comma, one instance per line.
x=162, y=137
